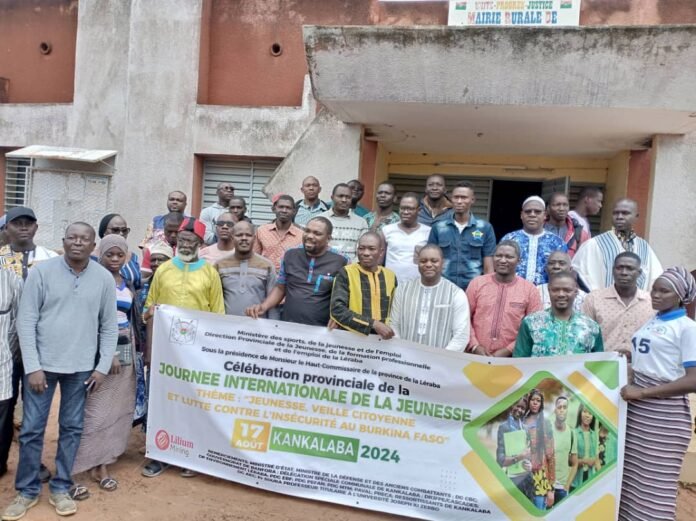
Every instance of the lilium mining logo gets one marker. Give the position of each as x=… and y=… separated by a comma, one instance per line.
x=173, y=443
x=183, y=331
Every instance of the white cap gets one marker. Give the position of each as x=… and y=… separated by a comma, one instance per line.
x=534, y=198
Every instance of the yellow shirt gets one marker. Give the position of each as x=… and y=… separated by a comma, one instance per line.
x=189, y=285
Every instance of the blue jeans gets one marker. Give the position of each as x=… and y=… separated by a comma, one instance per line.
x=559, y=494
x=31, y=437
x=539, y=502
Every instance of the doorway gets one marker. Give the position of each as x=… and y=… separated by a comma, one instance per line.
x=506, y=204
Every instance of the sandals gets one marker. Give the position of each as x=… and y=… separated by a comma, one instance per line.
x=188, y=473
x=154, y=469
x=108, y=484
x=78, y=492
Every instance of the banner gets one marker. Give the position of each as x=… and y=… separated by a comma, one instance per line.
x=514, y=12
x=385, y=425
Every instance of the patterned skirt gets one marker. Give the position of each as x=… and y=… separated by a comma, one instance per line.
x=108, y=421
x=658, y=432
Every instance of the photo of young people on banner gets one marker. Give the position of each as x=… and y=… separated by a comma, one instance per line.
x=549, y=443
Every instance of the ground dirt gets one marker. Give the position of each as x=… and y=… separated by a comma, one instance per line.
x=170, y=497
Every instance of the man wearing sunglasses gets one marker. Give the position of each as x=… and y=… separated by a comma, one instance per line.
x=224, y=246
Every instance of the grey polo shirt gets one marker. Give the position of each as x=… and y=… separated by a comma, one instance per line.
x=64, y=318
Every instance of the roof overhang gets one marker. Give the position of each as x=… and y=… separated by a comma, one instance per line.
x=507, y=90
x=64, y=153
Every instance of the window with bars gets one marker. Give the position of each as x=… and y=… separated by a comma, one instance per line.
x=248, y=178
x=16, y=181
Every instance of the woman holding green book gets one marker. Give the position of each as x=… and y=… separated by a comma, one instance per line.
x=513, y=451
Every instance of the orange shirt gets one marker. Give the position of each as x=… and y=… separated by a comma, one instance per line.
x=272, y=243
x=497, y=309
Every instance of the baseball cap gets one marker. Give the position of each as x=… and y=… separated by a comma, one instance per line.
x=20, y=211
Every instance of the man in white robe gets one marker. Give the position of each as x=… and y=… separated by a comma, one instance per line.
x=594, y=260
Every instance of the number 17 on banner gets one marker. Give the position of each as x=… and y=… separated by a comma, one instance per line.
x=251, y=435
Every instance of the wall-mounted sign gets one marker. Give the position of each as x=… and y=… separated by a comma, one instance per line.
x=514, y=12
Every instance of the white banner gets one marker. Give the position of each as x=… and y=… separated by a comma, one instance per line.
x=383, y=425
x=514, y=12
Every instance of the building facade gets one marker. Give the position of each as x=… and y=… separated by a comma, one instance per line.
x=187, y=93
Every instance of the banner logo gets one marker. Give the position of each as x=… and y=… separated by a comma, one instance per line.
x=162, y=439
x=183, y=331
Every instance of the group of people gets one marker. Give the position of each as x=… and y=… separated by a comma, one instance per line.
x=548, y=460
x=430, y=273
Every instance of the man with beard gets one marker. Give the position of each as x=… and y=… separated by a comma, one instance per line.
x=498, y=302
x=467, y=242
x=385, y=214
x=536, y=244
x=247, y=278
x=66, y=318
x=434, y=206
x=223, y=231
x=306, y=278
x=558, y=330
x=362, y=292
x=595, y=258
x=347, y=226
x=431, y=310
x=209, y=215
x=187, y=282
x=560, y=223
x=566, y=449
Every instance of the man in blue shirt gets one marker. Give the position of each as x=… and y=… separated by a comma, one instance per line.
x=467, y=243
x=536, y=244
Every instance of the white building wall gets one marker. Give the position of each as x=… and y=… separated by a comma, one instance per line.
x=672, y=219
x=136, y=81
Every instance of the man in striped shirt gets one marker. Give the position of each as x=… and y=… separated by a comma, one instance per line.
x=431, y=310
x=362, y=292
x=10, y=290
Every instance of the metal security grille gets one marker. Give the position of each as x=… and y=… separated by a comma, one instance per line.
x=248, y=179
x=16, y=181
x=58, y=197
x=482, y=187
x=62, y=197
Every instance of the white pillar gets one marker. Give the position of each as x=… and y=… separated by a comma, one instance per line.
x=672, y=219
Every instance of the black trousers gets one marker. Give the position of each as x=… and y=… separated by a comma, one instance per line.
x=7, y=408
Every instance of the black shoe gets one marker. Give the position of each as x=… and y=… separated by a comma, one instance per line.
x=44, y=474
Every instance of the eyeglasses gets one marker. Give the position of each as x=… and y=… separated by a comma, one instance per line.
x=120, y=231
x=229, y=224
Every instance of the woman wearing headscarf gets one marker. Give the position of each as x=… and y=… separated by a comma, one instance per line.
x=109, y=410
x=115, y=224
x=658, y=427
